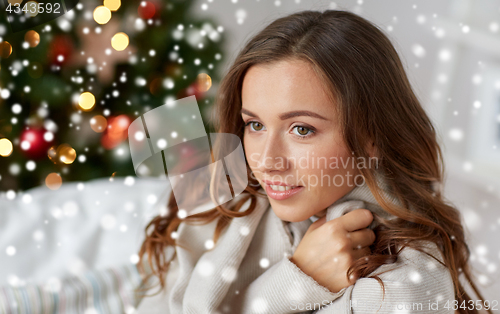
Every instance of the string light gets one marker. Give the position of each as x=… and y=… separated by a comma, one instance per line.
x=119, y=41
x=86, y=101
x=102, y=14
x=5, y=147
x=113, y=5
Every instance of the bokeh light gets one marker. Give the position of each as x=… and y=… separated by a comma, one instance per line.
x=86, y=101
x=52, y=154
x=116, y=132
x=113, y=5
x=5, y=147
x=98, y=123
x=146, y=10
x=32, y=7
x=53, y=181
x=66, y=153
x=32, y=38
x=102, y=14
x=119, y=41
x=204, y=82
x=5, y=49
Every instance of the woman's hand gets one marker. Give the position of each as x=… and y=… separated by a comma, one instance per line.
x=328, y=248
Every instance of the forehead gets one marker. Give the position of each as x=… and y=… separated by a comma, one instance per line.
x=285, y=85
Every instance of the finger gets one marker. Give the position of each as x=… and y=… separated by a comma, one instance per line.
x=315, y=225
x=362, y=238
x=356, y=219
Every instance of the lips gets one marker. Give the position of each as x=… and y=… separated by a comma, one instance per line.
x=281, y=187
x=277, y=183
x=283, y=192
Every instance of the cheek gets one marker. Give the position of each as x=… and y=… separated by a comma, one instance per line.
x=250, y=153
x=328, y=164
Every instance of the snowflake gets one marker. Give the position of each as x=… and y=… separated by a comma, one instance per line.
x=205, y=268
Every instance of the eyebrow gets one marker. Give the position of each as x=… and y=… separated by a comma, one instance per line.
x=289, y=114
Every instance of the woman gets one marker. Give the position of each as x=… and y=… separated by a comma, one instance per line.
x=326, y=89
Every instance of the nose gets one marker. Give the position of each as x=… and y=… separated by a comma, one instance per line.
x=272, y=156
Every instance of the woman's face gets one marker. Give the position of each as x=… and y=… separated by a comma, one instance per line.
x=292, y=137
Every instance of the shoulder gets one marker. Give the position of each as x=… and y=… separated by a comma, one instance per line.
x=414, y=280
x=415, y=283
x=412, y=258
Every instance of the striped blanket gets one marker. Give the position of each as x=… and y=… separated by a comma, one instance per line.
x=109, y=290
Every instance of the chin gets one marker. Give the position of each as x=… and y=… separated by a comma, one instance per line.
x=293, y=220
x=288, y=213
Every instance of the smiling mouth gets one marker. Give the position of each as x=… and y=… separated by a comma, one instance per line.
x=282, y=187
x=281, y=192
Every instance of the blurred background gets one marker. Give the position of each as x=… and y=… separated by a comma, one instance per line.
x=70, y=86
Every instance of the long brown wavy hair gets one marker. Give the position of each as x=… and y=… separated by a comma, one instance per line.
x=365, y=78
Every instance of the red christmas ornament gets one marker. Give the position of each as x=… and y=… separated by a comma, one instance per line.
x=191, y=158
x=116, y=132
x=192, y=89
x=147, y=10
x=33, y=144
x=60, y=49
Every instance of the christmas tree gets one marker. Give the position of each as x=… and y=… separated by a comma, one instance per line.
x=70, y=84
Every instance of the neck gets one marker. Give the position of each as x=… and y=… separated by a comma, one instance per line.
x=361, y=197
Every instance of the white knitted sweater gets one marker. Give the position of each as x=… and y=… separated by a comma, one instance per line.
x=249, y=271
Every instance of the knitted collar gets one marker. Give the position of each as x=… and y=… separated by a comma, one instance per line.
x=362, y=197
